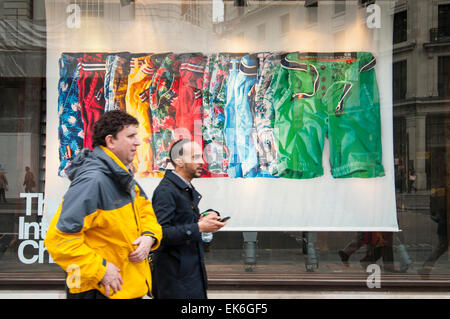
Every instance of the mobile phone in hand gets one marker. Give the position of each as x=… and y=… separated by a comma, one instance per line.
x=224, y=219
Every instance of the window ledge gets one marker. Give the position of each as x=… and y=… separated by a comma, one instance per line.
x=403, y=47
x=254, y=280
x=325, y=280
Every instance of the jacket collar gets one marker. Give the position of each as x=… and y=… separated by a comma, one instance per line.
x=118, y=171
x=110, y=155
x=181, y=184
x=177, y=180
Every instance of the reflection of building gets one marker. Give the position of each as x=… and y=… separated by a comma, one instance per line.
x=294, y=25
x=421, y=100
x=421, y=89
x=311, y=26
x=421, y=68
x=23, y=44
x=154, y=25
x=22, y=90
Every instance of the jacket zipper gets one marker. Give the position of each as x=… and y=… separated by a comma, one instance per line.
x=137, y=228
x=134, y=210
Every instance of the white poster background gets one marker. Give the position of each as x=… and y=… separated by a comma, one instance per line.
x=254, y=204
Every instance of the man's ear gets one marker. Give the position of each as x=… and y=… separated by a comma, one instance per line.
x=109, y=140
x=179, y=161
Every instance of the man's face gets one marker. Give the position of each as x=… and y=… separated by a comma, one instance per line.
x=192, y=159
x=124, y=144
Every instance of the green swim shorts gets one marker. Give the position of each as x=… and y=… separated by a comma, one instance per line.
x=334, y=95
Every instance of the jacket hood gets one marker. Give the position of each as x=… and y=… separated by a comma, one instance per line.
x=101, y=160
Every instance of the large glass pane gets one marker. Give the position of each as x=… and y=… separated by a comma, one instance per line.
x=22, y=137
x=291, y=222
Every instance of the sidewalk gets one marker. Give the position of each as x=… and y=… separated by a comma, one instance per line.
x=251, y=294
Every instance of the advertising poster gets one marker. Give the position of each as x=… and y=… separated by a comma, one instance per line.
x=295, y=118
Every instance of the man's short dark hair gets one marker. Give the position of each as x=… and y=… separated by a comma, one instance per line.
x=111, y=123
x=176, y=150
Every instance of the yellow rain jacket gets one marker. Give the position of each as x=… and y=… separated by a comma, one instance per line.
x=102, y=213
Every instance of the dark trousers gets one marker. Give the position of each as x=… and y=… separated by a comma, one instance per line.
x=2, y=194
x=90, y=294
x=442, y=246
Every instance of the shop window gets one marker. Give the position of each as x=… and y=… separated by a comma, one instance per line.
x=261, y=32
x=241, y=37
x=312, y=13
x=399, y=80
x=400, y=153
x=444, y=76
x=339, y=38
x=91, y=8
x=22, y=141
x=17, y=9
x=218, y=11
x=339, y=6
x=444, y=20
x=420, y=141
x=192, y=12
x=400, y=27
x=285, y=23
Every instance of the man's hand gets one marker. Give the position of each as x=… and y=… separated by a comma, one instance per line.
x=112, y=279
x=144, y=244
x=210, y=223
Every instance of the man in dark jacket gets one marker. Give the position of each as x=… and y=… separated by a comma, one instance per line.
x=179, y=268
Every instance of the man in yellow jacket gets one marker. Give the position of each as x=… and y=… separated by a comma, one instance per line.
x=105, y=226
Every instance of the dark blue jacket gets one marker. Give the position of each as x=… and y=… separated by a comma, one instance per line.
x=178, y=265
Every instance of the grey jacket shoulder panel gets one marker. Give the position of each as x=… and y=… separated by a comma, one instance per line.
x=97, y=185
x=79, y=202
